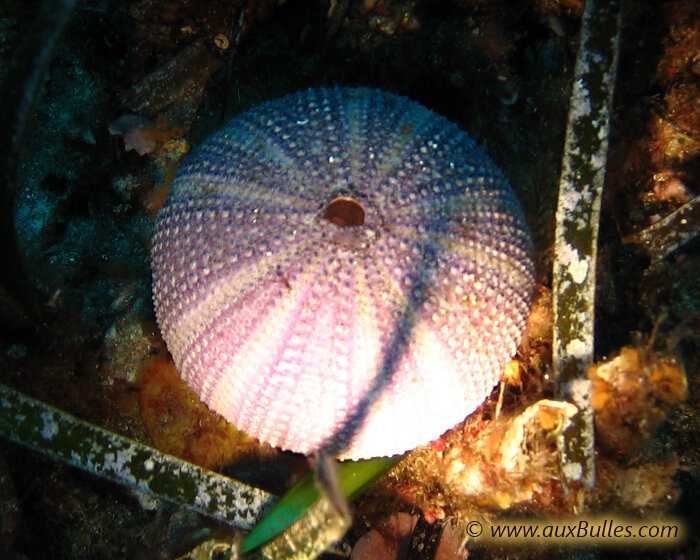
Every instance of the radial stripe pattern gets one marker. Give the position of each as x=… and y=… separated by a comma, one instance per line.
x=341, y=269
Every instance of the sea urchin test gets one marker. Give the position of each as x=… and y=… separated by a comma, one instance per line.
x=341, y=269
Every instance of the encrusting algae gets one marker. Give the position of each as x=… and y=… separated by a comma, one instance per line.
x=632, y=395
x=177, y=422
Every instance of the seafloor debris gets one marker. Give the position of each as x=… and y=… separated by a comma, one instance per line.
x=486, y=466
x=668, y=187
x=387, y=539
x=666, y=158
x=390, y=17
x=631, y=396
x=131, y=128
x=673, y=143
x=511, y=460
x=182, y=78
x=645, y=489
x=676, y=133
x=166, y=146
x=142, y=135
x=670, y=232
x=400, y=536
x=125, y=345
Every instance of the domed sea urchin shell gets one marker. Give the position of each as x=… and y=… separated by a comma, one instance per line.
x=341, y=269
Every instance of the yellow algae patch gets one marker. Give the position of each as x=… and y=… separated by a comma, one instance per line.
x=178, y=423
x=632, y=394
